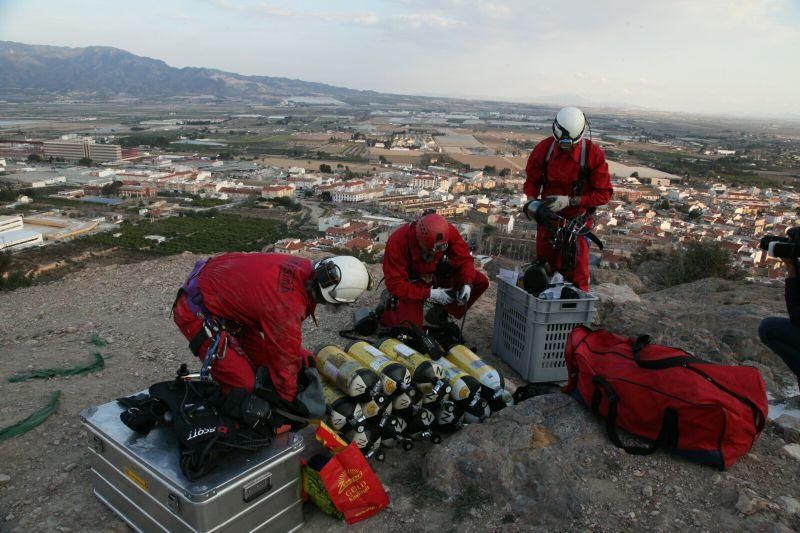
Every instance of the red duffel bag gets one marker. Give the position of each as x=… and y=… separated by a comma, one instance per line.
x=705, y=412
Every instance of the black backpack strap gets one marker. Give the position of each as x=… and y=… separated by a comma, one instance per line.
x=544, y=165
x=583, y=175
x=584, y=172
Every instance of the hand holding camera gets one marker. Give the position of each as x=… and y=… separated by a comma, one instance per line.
x=783, y=247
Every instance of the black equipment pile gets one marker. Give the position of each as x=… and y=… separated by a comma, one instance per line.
x=205, y=421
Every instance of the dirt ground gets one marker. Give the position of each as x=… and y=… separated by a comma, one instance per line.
x=44, y=474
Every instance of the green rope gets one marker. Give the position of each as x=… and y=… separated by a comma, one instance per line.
x=46, y=373
x=98, y=341
x=23, y=426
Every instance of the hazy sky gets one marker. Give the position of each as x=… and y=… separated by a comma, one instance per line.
x=729, y=56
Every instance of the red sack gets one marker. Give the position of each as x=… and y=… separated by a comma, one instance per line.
x=352, y=485
x=706, y=412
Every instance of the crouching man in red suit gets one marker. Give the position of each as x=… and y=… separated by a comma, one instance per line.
x=242, y=314
x=428, y=260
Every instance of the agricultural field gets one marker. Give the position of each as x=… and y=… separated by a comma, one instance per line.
x=499, y=162
x=313, y=164
x=345, y=151
x=509, y=141
x=356, y=150
x=197, y=234
x=460, y=142
x=396, y=156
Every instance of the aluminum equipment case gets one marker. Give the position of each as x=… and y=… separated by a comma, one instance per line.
x=140, y=479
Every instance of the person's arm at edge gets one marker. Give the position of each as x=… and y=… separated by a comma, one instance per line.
x=533, y=172
x=792, y=292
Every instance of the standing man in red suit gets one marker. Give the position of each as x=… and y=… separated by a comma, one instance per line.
x=569, y=174
x=428, y=260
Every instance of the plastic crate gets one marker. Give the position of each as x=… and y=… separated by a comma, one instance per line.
x=530, y=334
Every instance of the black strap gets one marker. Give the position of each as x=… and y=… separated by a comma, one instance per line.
x=595, y=239
x=583, y=174
x=198, y=340
x=545, y=163
x=351, y=334
x=667, y=437
x=684, y=360
x=660, y=364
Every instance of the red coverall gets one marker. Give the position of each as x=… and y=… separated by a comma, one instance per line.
x=410, y=278
x=563, y=171
x=266, y=294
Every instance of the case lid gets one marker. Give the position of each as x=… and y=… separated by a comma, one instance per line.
x=159, y=452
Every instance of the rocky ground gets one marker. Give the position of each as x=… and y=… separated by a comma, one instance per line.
x=542, y=465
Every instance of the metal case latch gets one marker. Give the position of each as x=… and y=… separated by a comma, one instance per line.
x=174, y=503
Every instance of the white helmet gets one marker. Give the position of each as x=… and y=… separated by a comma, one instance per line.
x=568, y=126
x=341, y=279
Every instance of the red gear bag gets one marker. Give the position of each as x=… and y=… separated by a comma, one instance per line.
x=705, y=412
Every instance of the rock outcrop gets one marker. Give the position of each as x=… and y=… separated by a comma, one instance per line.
x=546, y=463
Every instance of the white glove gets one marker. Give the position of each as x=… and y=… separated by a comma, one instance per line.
x=557, y=203
x=440, y=296
x=463, y=294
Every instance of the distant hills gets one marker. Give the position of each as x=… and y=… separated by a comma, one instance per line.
x=104, y=72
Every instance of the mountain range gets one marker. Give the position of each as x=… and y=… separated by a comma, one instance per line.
x=101, y=71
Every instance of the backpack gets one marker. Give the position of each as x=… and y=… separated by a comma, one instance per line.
x=201, y=418
x=705, y=412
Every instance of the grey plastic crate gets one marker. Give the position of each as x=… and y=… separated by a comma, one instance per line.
x=530, y=334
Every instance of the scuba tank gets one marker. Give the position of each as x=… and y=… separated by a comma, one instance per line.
x=488, y=376
x=394, y=435
x=448, y=414
x=420, y=420
x=466, y=390
x=343, y=412
x=404, y=400
x=348, y=374
x=395, y=378
x=426, y=374
x=368, y=440
x=371, y=409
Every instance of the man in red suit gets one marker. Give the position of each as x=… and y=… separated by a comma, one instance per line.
x=247, y=311
x=428, y=260
x=570, y=174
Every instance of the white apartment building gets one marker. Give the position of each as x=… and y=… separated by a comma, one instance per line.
x=75, y=150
